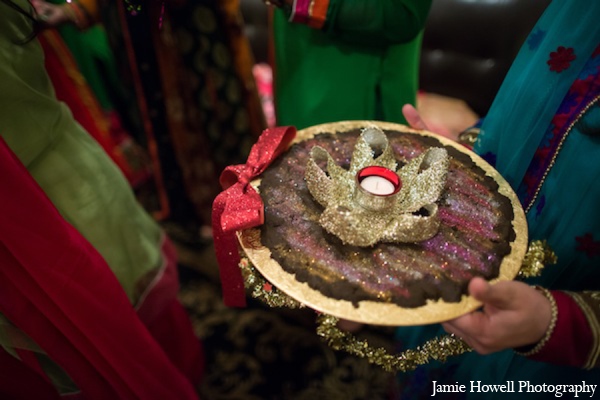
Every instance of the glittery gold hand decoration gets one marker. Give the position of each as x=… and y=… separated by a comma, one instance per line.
x=373, y=202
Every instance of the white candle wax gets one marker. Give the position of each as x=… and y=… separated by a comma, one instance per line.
x=377, y=185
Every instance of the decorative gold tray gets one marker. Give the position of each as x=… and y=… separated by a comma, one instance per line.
x=379, y=313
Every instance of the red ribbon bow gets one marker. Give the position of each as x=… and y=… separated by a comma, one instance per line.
x=240, y=207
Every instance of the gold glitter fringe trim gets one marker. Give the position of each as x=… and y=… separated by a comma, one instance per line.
x=538, y=255
x=440, y=348
x=263, y=290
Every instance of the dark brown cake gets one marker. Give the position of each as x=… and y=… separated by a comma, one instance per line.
x=474, y=236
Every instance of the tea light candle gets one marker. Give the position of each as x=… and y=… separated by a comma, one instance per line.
x=377, y=185
x=377, y=180
x=376, y=188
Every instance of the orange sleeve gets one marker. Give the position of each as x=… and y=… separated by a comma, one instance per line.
x=91, y=8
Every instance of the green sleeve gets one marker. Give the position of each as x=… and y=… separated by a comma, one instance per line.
x=376, y=22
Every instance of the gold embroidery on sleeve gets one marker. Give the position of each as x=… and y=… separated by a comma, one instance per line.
x=589, y=303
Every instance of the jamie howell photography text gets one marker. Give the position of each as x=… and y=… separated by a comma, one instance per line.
x=582, y=389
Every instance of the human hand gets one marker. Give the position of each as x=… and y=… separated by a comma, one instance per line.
x=445, y=116
x=51, y=15
x=413, y=117
x=514, y=314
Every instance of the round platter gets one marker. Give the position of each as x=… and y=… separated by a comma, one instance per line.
x=381, y=313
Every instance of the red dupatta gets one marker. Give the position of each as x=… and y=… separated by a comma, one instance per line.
x=58, y=289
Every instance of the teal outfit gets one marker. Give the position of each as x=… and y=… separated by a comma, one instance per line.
x=543, y=135
x=361, y=65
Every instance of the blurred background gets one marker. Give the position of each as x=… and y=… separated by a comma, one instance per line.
x=175, y=91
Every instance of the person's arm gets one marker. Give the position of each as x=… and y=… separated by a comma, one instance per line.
x=575, y=339
x=555, y=327
x=374, y=23
x=466, y=137
x=551, y=326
